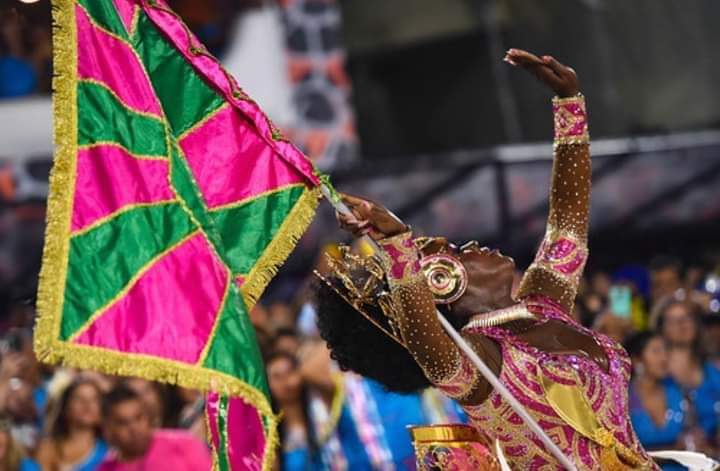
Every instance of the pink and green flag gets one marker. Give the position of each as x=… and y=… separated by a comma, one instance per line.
x=173, y=200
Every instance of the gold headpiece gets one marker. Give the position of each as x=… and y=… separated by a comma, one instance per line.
x=361, y=282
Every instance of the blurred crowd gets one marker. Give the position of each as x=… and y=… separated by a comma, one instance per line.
x=25, y=53
x=52, y=418
x=65, y=419
x=26, y=39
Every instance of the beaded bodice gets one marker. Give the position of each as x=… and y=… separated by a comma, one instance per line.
x=526, y=371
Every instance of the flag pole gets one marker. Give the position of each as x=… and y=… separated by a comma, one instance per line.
x=487, y=373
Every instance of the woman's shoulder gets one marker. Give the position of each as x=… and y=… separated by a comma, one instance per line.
x=47, y=451
x=101, y=445
x=99, y=451
x=712, y=373
x=711, y=368
x=673, y=391
x=26, y=464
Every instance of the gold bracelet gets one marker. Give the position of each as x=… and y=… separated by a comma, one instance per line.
x=571, y=123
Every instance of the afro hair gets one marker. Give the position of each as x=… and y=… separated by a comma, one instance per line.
x=357, y=345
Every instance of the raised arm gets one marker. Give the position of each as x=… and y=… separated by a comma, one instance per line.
x=563, y=252
x=415, y=312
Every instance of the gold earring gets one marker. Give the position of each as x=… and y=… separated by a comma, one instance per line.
x=446, y=277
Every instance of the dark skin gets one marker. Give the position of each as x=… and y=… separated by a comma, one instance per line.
x=490, y=274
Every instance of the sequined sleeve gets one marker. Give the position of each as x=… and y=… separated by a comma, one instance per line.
x=563, y=252
x=416, y=319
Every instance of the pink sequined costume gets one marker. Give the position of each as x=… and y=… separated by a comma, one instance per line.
x=525, y=372
x=579, y=400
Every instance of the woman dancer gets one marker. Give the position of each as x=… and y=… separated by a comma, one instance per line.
x=572, y=380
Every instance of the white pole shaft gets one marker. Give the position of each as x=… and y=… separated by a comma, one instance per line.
x=477, y=361
x=503, y=391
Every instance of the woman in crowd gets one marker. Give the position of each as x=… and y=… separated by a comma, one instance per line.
x=301, y=449
x=73, y=441
x=339, y=421
x=680, y=324
x=368, y=422
x=11, y=453
x=572, y=380
x=657, y=407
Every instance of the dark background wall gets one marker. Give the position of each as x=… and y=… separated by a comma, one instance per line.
x=426, y=80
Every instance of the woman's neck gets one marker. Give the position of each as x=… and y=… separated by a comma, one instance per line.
x=293, y=414
x=645, y=384
x=685, y=366
x=81, y=434
x=483, y=306
x=501, y=304
x=684, y=354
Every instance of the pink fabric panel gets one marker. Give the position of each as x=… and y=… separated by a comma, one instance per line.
x=111, y=179
x=112, y=62
x=245, y=433
x=213, y=72
x=149, y=321
x=212, y=401
x=231, y=162
x=125, y=9
x=246, y=436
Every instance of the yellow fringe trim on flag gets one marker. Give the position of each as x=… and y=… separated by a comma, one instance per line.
x=53, y=275
x=62, y=177
x=164, y=371
x=282, y=244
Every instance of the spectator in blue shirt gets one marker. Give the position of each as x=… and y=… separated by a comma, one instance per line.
x=699, y=380
x=17, y=75
x=11, y=453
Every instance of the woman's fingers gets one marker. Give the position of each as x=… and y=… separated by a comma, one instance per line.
x=556, y=66
x=351, y=200
x=537, y=66
x=356, y=227
x=521, y=61
x=350, y=221
x=547, y=75
x=522, y=58
x=360, y=207
x=568, y=79
x=562, y=79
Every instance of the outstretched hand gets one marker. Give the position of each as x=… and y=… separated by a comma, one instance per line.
x=560, y=78
x=369, y=218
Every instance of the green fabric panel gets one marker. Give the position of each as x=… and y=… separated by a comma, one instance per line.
x=247, y=230
x=186, y=189
x=234, y=348
x=104, y=14
x=101, y=117
x=222, y=456
x=184, y=95
x=103, y=260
